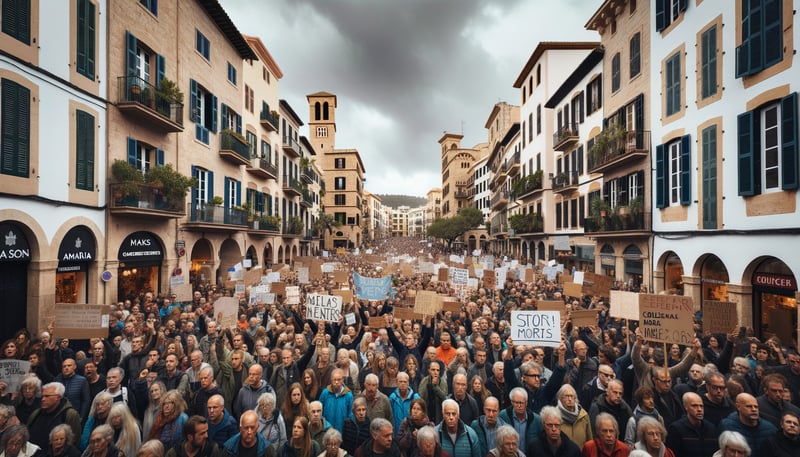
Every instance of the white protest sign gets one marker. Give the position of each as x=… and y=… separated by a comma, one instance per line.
x=12, y=371
x=302, y=275
x=269, y=299
x=325, y=254
x=292, y=295
x=472, y=282
x=323, y=307
x=236, y=275
x=542, y=328
x=500, y=276
x=624, y=305
x=229, y=308
x=577, y=278
x=240, y=288
x=350, y=318
x=459, y=276
x=274, y=276
x=328, y=267
x=248, y=263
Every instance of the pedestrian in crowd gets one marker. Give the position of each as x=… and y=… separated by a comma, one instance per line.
x=300, y=443
x=747, y=422
x=552, y=442
x=356, y=428
x=606, y=442
x=127, y=434
x=195, y=442
x=507, y=443
x=270, y=421
x=55, y=410
x=692, y=435
x=101, y=443
x=62, y=442
x=151, y=448
x=650, y=437
x=409, y=428
x=332, y=442
x=381, y=441
x=457, y=438
x=575, y=421
x=732, y=444
x=248, y=441
x=787, y=441
x=168, y=424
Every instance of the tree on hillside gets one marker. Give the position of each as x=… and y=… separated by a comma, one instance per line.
x=450, y=228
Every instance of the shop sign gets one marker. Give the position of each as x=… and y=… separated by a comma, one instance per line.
x=776, y=281
x=77, y=248
x=140, y=246
x=607, y=260
x=13, y=244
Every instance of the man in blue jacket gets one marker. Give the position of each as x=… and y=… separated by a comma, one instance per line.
x=248, y=441
x=466, y=440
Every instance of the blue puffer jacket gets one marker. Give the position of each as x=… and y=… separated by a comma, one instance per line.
x=466, y=443
x=231, y=447
x=401, y=408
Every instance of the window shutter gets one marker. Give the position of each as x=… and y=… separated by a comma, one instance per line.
x=159, y=157
x=755, y=36
x=16, y=20
x=772, y=32
x=130, y=55
x=214, y=113
x=90, y=42
x=682, y=5
x=238, y=192
x=15, y=129
x=154, y=7
x=194, y=101
x=195, y=175
x=161, y=69
x=789, y=142
x=746, y=154
x=661, y=17
x=224, y=116
x=132, y=151
x=226, y=194
x=238, y=124
x=686, y=174
x=210, y=179
x=80, y=151
x=661, y=181
x=640, y=184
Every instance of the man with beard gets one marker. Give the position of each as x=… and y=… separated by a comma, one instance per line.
x=195, y=440
x=771, y=405
x=692, y=435
x=97, y=382
x=317, y=424
x=716, y=403
x=479, y=368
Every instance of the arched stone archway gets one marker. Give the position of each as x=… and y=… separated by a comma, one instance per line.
x=252, y=255
x=280, y=254
x=229, y=255
x=268, y=253
x=774, y=303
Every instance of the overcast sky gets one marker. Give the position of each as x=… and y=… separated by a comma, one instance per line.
x=405, y=71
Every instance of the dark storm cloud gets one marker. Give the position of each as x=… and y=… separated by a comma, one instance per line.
x=404, y=70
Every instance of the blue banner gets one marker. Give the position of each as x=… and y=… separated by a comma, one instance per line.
x=372, y=288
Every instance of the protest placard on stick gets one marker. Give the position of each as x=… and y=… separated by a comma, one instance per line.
x=719, y=316
x=81, y=321
x=624, y=305
x=326, y=308
x=542, y=328
x=666, y=318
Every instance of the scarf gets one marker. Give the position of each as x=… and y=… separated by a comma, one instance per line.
x=569, y=416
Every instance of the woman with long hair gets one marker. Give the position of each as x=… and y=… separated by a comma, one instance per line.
x=411, y=367
x=270, y=420
x=9, y=350
x=98, y=415
x=295, y=404
x=389, y=376
x=62, y=442
x=300, y=444
x=478, y=390
x=417, y=418
x=169, y=421
x=310, y=384
x=376, y=366
x=156, y=393
x=23, y=339
x=128, y=436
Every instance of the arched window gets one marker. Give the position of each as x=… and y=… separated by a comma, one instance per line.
x=316, y=111
x=325, y=111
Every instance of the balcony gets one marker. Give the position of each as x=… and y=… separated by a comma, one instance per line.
x=307, y=200
x=461, y=194
x=513, y=163
x=311, y=234
x=233, y=148
x=205, y=216
x=621, y=224
x=263, y=225
x=566, y=182
x=269, y=120
x=291, y=186
x=527, y=186
x=291, y=147
x=140, y=100
x=526, y=224
x=293, y=228
x=308, y=176
x=150, y=202
x=262, y=168
x=500, y=199
x=499, y=229
x=613, y=148
x=565, y=137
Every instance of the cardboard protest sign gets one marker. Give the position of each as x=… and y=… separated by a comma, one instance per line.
x=80, y=321
x=501, y=274
x=292, y=295
x=406, y=314
x=427, y=303
x=273, y=276
x=253, y=276
x=239, y=289
x=346, y=294
x=489, y=279
x=594, y=284
x=426, y=267
x=340, y=276
x=452, y=306
x=277, y=267
x=529, y=278
x=326, y=308
x=666, y=318
x=228, y=307
x=583, y=318
x=377, y=322
x=183, y=292
x=624, y=305
x=565, y=278
x=551, y=305
x=444, y=274
x=327, y=267
x=12, y=371
x=407, y=270
x=278, y=288
x=719, y=316
x=315, y=270
x=572, y=289
x=541, y=328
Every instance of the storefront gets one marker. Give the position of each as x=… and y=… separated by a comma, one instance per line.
x=15, y=257
x=584, y=258
x=608, y=261
x=77, y=252
x=774, y=288
x=673, y=275
x=714, y=278
x=140, y=257
x=634, y=266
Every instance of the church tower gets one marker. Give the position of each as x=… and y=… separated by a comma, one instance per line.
x=322, y=121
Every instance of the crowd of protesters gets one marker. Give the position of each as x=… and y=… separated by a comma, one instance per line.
x=170, y=379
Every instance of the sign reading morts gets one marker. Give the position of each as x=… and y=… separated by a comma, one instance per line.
x=326, y=308
x=719, y=316
x=542, y=328
x=80, y=321
x=666, y=318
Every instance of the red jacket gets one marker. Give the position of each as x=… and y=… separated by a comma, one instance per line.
x=594, y=448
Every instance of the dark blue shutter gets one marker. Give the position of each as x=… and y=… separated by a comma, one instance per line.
x=789, y=142
x=755, y=35
x=154, y=7
x=238, y=192
x=161, y=69
x=661, y=16
x=686, y=171
x=772, y=32
x=224, y=116
x=226, y=196
x=130, y=54
x=748, y=172
x=210, y=179
x=682, y=5
x=132, y=151
x=159, y=157
x=661, y=181
x=214, y=113
x=640, y=184
x=194, y=101
x=195, y=175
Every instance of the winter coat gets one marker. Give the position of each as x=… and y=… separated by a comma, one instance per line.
x=401, y=407
x=466, y=440
x=336, y=406
x=231, y=447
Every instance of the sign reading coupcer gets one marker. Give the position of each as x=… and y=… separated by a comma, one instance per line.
x=776, y=281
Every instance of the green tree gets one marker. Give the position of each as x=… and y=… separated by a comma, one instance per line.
x=326, y=223
x=450, y=228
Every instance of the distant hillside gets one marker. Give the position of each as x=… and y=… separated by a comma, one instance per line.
x=395, y=201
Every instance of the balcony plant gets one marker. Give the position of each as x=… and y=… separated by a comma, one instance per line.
x=169, y=91
x=294, y=225
x=173, y=184
x=600, y=208
x=234, y=134
x=128, y=180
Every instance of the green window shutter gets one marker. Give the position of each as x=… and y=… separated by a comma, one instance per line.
x=210, y=179
x=159, y=157
x=708, y=62
x=214, y=113
x=17, y=19
x=227, y=195
x=195, y=192
x=709, y=185
x=238, y=192
x=130, y=54
x=224, y=115
x=686, y=174
x=84, y=150
x=661, y=17
x=789, y=142
x=132, y=151
x=238, y=124
x=90, y=40
x=748, y=172
x=772, y=32
x=755, y=35
x=661, y=178
x=161, y=69
x=15, y=129
x=194, y=101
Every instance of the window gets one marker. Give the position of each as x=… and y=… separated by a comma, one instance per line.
x=538, y=74
x=530, y=127
x=143, y=156
x=15, y=128
x=151, y=5
x=322, y=132
x=339, y=199
x=84, y=148
x=205, y=186
x=249, y=99
x=203, y=111
x=231, y=74
x=266, y=151
x=341, y=218
x=615, y=73
x=668, y=11
x=635, y=55
x=231, y=119
x=762, y=36
x=339, y=183
x=86, y=39
x=708, y=62
x=672, y=79
x=673, y=173
x=265, y=74
x=339, y=163
x=233, y=191
x=538, y=119
x=594, y=95
x=577, y=110
x=709, y=176
x=252, y=143
x=17, y=20
x=202, y=45
x=767, y=154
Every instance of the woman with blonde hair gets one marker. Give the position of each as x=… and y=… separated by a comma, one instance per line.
x=388, y=379
x=152, y=448
x=156, y=393
x=168, y=424
x=98, y=415
x=126, y=428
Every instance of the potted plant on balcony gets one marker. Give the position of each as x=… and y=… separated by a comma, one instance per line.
x=600, y=208
x=229, y=135
x=215, y=210
x=174, y=186
x=169, y=92
x=128, y=182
